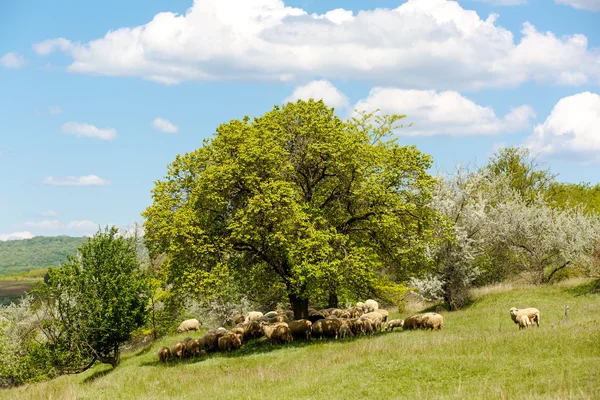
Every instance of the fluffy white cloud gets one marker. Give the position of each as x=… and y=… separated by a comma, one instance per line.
x=15, y=236
x=571, y=129
x=420, y=44
x=592, y=5
x=12, y=60
x=86, y=130
x=88, y=180
x=444, y=113
x=164, y=125
x=320, y=90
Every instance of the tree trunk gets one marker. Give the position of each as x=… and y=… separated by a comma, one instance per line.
x=333, y=300
x=299, y=305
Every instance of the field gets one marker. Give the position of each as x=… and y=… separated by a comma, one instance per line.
x=480, y=354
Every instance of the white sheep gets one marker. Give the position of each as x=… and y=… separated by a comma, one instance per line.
x=189, y=325
x=524, y=322
x=533, y=314
x=253, y=315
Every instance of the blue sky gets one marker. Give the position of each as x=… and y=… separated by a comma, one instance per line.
x=98, y=97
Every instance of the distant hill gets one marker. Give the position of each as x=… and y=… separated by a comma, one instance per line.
x=35, y=253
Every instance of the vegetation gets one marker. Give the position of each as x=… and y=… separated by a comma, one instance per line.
x=329, y=209
x=35, y=253
x=480, y=354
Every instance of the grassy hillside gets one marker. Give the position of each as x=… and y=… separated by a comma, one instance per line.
x=480, y=354
x=38, y=252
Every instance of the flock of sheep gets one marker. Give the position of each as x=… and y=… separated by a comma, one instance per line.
x=280, y=327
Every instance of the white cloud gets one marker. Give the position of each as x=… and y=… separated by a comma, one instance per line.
x=15, y=236
x=571, y=129
x=165, y=126
x=88, y=180
x=591, y=5
x=54, y=110
x=86, y=130
x=12, y=60
x=320, y=90
x=49, y=213
x=420, y=44
x=444, y=113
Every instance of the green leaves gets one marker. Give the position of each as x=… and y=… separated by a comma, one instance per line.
x=100, y=296
x=297, y=196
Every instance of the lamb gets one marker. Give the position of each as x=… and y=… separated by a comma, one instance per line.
x=394, y=323
x=189, y=325
x=301, y=329
x=179, y=350
x=524, y=322
x=252, y=315
x=345, y=332
x=163, y=354
x=532, y=313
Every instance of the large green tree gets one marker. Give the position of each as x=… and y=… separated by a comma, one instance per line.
x=297, y=197
x=95, y=300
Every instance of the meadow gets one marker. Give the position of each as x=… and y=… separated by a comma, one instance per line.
x=480, y=354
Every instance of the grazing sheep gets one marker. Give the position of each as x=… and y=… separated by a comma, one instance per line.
x=371, y=305
x=179, y=350
x=412, y=322
x=360, y=305
x=240, y=329
x=532, y=313
x=301, y=328
x=356, y=312
x=367, y=326
x=193, y=348
x=384, y=314
x=524, y=322
x=315, y=316
x=394, y=323
x=328, y=327
x=270, y=314
x=278, y=332
x=229, y=342
x=345, y=332
x=432, y=321
x=238, y=319
x=375, y=318
x=163, y=354
x=253, y=330
x=252, y=315
x=189, y=325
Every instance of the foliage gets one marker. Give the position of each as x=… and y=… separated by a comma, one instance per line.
x=295, y=197
x=38, y=252
x=95, y=300
x=521, y=171
x=582, y=195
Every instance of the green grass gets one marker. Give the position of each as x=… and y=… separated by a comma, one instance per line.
x=12, y=287
x=480, y=354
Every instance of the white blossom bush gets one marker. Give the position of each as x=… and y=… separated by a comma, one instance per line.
x=430, y=287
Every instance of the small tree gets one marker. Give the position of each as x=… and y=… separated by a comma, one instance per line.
x=98, y=298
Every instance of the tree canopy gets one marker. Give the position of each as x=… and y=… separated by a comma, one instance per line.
x=298, y=197
x=95, y=300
